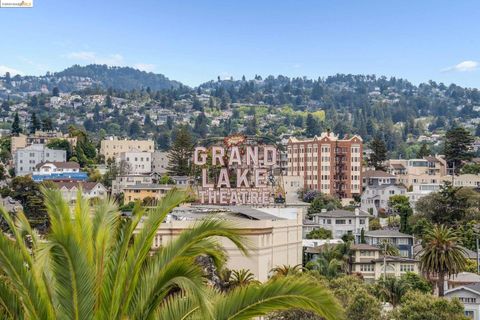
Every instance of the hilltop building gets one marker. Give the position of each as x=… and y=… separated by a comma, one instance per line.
x=39, y=137
x=111, y=148
x=328, y=164
x=135, y=161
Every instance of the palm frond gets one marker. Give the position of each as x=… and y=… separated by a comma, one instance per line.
x=278, y=295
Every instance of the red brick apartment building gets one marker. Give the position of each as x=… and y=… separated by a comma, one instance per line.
x=328, y=164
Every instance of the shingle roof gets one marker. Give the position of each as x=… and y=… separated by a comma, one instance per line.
x=363, y=246
x=386, y=233
x=397, y=166
x=377, y=174
x=395, y=259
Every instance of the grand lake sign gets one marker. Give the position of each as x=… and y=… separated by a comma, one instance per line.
x=237, y=172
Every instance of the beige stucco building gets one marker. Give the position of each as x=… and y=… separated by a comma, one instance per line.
x=428, y=170
x=368, y=261
x=273, y=234
x=111, y=148
x=39, y=137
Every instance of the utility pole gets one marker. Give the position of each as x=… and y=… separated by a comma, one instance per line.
x=478, y=257
x=385, y=260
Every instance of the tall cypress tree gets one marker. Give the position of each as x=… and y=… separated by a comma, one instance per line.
x=180, y=154
x=378, y=155
x=16, y=130
x=34, y=123
x=458, y=147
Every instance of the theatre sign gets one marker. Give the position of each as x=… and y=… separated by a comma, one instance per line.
x=237, y=172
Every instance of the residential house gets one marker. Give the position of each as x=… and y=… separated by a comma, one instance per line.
x=403, y=242
x=428, y=170
x=128, y=180
x=379, y=186
x=339, y=222
x=139, y=192
x=368, y=261
x=58, y=171
x=469, y=296
x=69, y=190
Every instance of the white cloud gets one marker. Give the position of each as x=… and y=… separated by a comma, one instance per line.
x=92, y=57
x=144, y=67
x=464, y=66
x=5, y=69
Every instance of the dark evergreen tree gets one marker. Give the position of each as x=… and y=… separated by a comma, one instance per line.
x=55, y=92
x=34, y=123
x=378, y=155
x=312, y=126
x=16, y=129
x=181, y=152
x=47, y=124
x=197, y=105
x=458, y=147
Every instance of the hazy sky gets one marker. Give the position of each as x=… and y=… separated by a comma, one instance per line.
x=196, y=41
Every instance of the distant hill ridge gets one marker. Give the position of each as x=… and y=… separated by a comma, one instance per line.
x=122, y=78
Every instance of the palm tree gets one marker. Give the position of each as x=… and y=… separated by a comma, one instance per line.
x=442, y=254
x=392, y=289
x=99, y=265
x=285, y=270
x=241, y=278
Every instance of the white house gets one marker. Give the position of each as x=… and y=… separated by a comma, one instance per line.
x=27, y=158
x=379, y=186
x=89, y=190
x=339, y=222
x=469, y=295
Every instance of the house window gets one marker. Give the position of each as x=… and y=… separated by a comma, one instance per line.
x=406, y=268
x=367, y=267
x=340, y=221
x=401, y=241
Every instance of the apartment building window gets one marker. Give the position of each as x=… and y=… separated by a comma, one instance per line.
x=340, y=221
x=329, y=221
x=362, y=221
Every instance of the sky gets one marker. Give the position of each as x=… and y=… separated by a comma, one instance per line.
x=197, y=41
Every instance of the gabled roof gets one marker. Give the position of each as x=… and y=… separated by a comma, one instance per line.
x=473, y=288
x=398, y=166
x=86, y=186
x=64, y=165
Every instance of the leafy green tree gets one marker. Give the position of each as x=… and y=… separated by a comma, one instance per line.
x=471, y=168
x=25, y=190
x=420, y=306
x=401, y=205
x=197, y=104
x=442, y=254
x=181, y=153
x=323, y=201
x=251, y=127
x=423, y=151
x=201, y=127
x=16, y=129
x=416, y=282
x=458, y=147
x=374, y=224
x=166, y=180
x=101, y=267
x=378, y=155
x=450, y=205
x=61, y=144
x=320, y=233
